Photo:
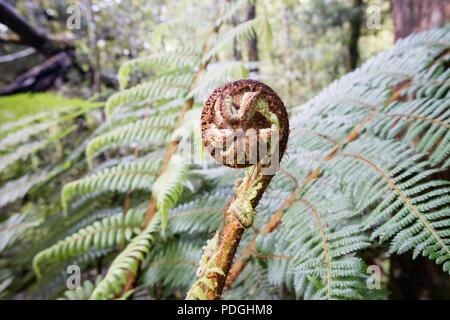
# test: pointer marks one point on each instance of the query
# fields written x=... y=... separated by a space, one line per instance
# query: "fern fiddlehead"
x=244 y=125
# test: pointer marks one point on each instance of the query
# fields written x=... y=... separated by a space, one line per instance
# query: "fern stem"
x=271 y=225
x=233 y=229
x=324 y=243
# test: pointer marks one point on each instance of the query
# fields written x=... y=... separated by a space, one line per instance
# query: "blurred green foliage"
x=22 y=105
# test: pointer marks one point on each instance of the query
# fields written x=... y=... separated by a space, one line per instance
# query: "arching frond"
x=12 y=228
x=426 y=122
x=181 y=58
x=218 y=74
x=203 y=214
x=154 y=130
x=15 y=189
x=107 y=232
x=127 y=261
x=143 y=94
x=407 y=205
x=258 y=26
x=125 y=176
x=173 y=265
x=168 y=187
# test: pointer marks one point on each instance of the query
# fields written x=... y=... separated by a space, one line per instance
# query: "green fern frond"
x=21 y=153
x=10 y=127
x=104 y=233
x=315 y=244
x=15 y=189
x=27 y=149
x=198 y=26
x=137 y=175
x=431 y=83
x=427 y=122
x=173 y=265
x=232 y=8
x=143 y=94
x=204 y=214
x=127 y=261
x=218 y=74
x=168 y=188
x=12 y=228
x=258 y=26
x=410 y=208
x=24 y=134
x=190 y=124
x=253 y=284
x=155 y=130
x=181 y=58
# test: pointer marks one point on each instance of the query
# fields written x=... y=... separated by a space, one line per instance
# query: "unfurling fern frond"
x=104 y=233
x=367 y=162
x=137 y=175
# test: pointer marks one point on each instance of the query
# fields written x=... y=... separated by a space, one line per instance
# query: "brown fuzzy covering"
x=236 y=89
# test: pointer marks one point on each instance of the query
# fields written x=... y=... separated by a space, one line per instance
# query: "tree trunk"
x=42 y=77
x=287 y=53
x=420 y=278
x=94 y=48
x=237 y=56
x=418 y=15
x=252 y=43
x=355 y=33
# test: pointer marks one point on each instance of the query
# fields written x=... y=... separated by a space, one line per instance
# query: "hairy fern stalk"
x=367 y=162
